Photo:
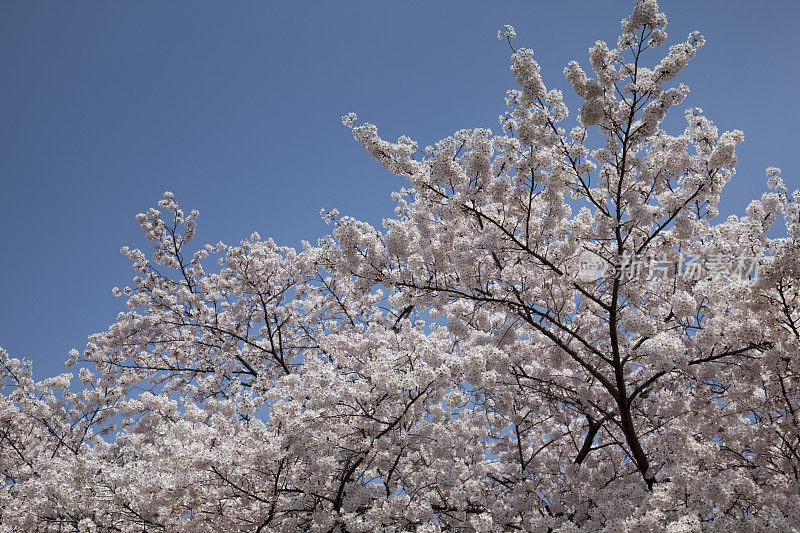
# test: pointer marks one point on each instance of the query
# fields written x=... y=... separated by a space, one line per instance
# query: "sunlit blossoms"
x=451 y=371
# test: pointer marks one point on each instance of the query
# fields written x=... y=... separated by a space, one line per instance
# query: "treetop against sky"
x=235 y=108
x=557 y=329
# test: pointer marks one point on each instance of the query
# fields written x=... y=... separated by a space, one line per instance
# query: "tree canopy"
x=552 y=333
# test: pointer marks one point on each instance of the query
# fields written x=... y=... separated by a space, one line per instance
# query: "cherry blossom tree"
x=458 y=369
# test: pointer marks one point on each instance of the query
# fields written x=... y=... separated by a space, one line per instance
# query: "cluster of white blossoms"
x=507 y=33
x=450 y=371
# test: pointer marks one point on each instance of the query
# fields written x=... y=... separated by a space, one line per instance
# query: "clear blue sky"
x=235 y=107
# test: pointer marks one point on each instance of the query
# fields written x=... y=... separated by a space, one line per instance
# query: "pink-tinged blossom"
x=451 y=370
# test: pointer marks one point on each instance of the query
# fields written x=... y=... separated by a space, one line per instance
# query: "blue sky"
x=236 y=106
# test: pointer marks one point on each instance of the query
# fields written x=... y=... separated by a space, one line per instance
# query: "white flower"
x=508 y=33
